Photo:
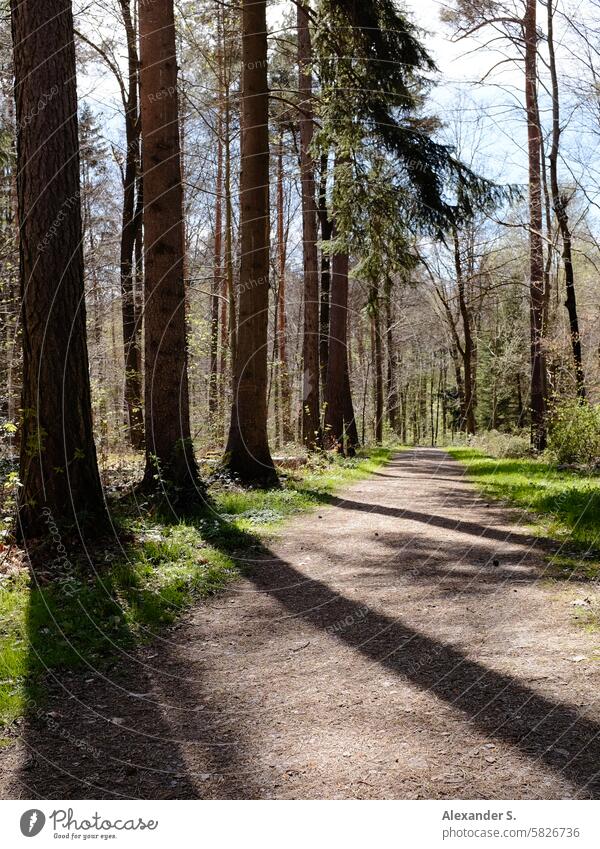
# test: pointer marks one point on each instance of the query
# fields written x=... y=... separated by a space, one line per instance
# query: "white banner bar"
x=302 y=824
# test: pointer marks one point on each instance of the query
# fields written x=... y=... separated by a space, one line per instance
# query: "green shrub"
x=574 y=434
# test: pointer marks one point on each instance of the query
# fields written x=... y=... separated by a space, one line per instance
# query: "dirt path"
x=399 y=643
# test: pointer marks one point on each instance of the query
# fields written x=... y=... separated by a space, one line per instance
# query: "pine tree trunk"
x=228 y=283
x=391 y=391
x=467 y=347
x=275 y=378
x=520 y=409
x=10 y=285
x=437 y=406
x=326 y=229
x=287 y=434
x=58 y=468
x=403 y=414
x=217 y=285
x=431 y=407
x=460 y=390
x=350 y=429
x=560 y=210
x=340 y=425
x=169 y=451
x=311 y=412
x=378 y=366
x=336 y=363
x=444 y=400
x=228 y=306
x=131 y=331
x=536 y=248
x=247 y=453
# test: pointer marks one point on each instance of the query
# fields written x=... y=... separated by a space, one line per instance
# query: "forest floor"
x=408 y=640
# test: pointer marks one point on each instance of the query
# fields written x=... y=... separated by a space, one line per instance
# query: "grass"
x=302 y=490
x=84 y=620
x=563 y=505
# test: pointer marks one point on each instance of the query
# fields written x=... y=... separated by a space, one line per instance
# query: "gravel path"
x=399 y=643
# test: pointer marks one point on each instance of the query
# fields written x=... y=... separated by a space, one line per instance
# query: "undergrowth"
x=144 y=582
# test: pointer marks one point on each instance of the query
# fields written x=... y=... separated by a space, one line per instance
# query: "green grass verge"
x=563 y=505
x=86 y=621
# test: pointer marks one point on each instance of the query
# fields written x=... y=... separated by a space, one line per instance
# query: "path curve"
x=399 y=643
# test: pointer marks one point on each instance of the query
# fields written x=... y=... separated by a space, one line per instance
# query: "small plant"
x=574 y=434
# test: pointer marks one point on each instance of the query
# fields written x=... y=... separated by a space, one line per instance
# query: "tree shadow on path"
x=496 y=704
x=116 y=726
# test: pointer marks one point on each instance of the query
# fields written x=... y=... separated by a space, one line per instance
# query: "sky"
x=491 y=112
x=484 y=120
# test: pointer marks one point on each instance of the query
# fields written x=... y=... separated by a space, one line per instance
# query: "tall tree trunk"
x=58 y=469
x=391 y=392
x=378 y=365
x=350 y=427
x=337 y=359
x=467 y=347
x=217 y=284
x=311 y=412
x=431 y=407
x=247 y=452
x=340 y=425
x=460 y=389
x=287 y=433
x=97 y=352
x=228 y=305
x=548 y=223
x=169 y=449
x=138 y=280
x=403 y=413
x=229 y=287
x=519 y=400
x=131 y=334
x=326 y=229
x=536 y=248
x=10 y=287
x=559 y=202
x=15 y=366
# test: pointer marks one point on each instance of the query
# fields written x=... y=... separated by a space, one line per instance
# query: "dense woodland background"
x=369 y=276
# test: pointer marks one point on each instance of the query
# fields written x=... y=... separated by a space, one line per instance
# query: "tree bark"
x=130 y=224
x=460 y=389
x=559 y=203
x=287 y=433
x=228 y=303
x=378 y=365
x=350 y=427
x=311 y=412
x=217 y=283
x=326 y=230
x=536 y=249
x=391 y=391
x=58 y=466
x=467 y=347
x=169 y=451
x=340 y=425
x=247 y=453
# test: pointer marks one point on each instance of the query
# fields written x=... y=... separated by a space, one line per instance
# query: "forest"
x=299 y=260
